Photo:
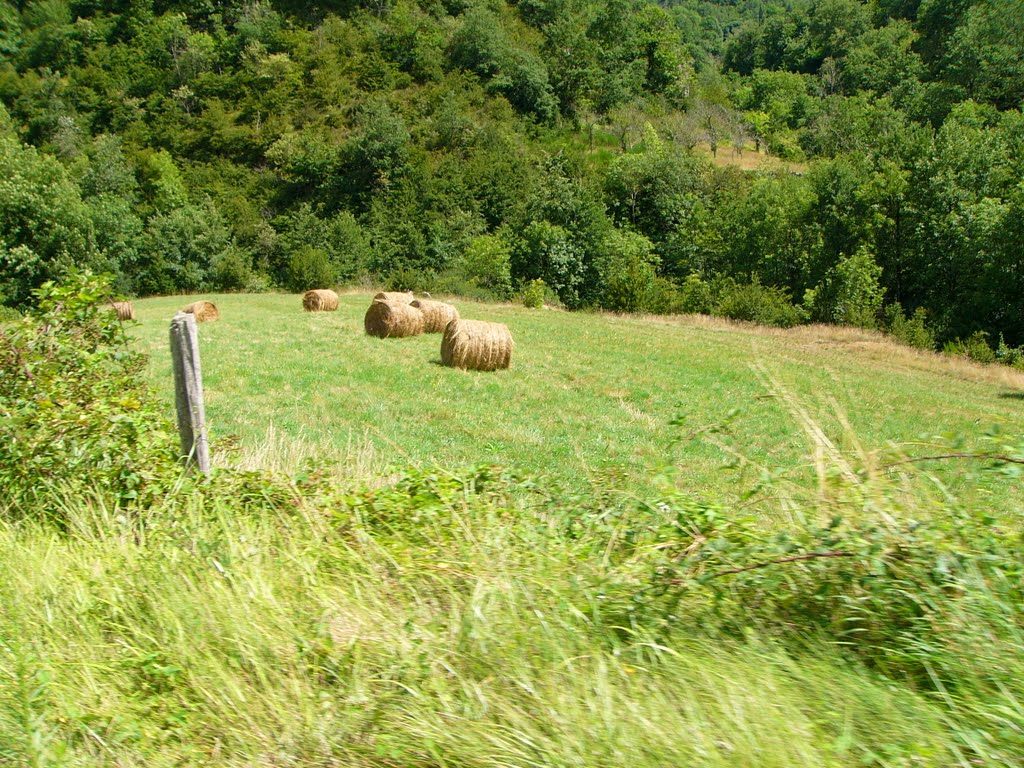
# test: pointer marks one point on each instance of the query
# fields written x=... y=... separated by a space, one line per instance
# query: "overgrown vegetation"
x=75 y=410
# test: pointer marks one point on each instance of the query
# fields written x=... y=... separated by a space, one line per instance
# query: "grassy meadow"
x=615 y=597
x=589 y=398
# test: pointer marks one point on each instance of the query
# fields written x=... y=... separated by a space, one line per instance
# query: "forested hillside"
x=475 y=147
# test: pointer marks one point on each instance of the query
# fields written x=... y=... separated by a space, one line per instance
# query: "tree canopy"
x=602 y=146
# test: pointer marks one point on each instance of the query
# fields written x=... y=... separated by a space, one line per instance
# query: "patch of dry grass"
x=749 y=159
x=867 y=345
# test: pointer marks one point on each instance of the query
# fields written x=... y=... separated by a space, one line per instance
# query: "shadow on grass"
x=1012 y=395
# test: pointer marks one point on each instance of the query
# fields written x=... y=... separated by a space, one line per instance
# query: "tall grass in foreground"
x=476 y=621
x=206 y=634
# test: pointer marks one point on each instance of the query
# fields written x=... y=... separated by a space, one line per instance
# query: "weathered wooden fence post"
x=188 y=391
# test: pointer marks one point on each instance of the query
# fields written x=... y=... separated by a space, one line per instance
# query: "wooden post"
x=188 y=391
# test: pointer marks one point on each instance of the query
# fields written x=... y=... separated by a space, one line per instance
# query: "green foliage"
x=895 y=590
x=108 y=171
x=850 y=293
x=984 y=53
x=76 y=414
x=912 y=331
x=695 y=295
x=340 y=237
x=310 y=268
x=549 y=253
x=162 y=185
x=533 y=294
x=45 y=228
x=391 y=135
x=120 y=239
x=487 y=263
x=883 y=60
x=755 y=303
x=654 y=188
x=482 y=45
x=231 y=270
x=779 y=636
x=975 y=347
x=377 y=155
x=773 y=231
x=1011 y=356
x=182 y=247
x=628 y=272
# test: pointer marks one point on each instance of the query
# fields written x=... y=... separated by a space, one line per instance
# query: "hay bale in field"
x=476 y=345
x=203 y=310
x=401 y=297
x=125 y=310
x=436 y=314
x=391 y=319
x=320 y=300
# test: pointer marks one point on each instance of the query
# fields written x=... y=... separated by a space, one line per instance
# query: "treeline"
x=480 y=147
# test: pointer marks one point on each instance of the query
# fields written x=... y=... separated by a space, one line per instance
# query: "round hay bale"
x=476 y=345
x=125 y=310
x=436 y=314
x=204 y=311
x=320 y=300
x=389 y=319
x=400 y=297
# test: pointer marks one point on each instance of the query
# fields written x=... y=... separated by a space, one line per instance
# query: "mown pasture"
x=705 y=405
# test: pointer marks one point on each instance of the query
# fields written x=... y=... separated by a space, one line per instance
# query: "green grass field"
x=588 y=396
x=633 y=608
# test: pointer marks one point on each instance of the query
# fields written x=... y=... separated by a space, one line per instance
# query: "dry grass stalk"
x=476 y=345
x=436 y=314
x=399 y=297
x=204 y=311
x=320 y=300
x=389 y=319
x=125 y=310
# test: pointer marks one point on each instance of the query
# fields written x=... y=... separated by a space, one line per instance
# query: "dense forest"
x=483 y=146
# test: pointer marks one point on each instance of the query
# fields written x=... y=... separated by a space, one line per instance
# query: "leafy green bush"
x=533 y=293
x=552 y=253
x=45 y=227
x=755 y=303
x=310 y=268
x=695 y=295
x=974 y=347
x=486 y=263
x=912 y=331
x=75 y=413
x=181 y=247
x=664 y=297
x=409 y=279
x=450 y=283
x=232 y=271
x=893 y=589
x=851 y=293
x=1011 y=356
x=627 y=269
